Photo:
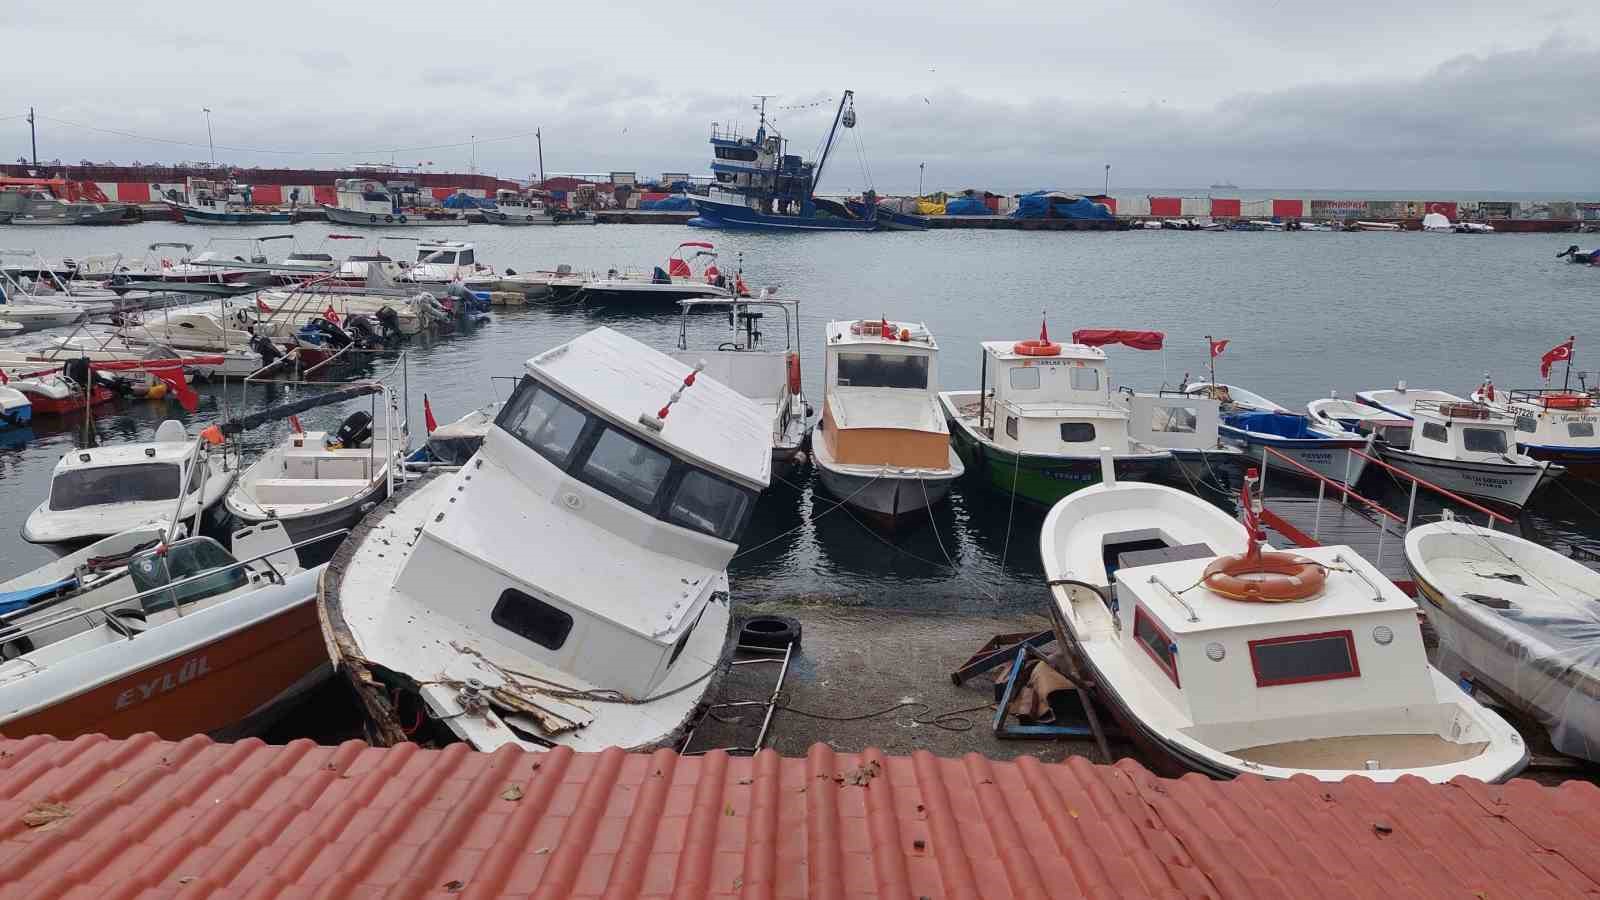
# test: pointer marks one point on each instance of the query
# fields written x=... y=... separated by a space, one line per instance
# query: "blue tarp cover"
x=966 y=206
x=467 y=201
x=1056 y=205
x=11 y=601
x=678 y=203
x=1283 y=425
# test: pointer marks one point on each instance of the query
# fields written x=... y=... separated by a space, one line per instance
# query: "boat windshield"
x=1484 y=440
x=883 y=370
x=439 y=257
x=622 y=465
x=153 y=569
x=142 y=483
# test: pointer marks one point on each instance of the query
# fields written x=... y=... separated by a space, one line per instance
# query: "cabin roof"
x=622 y=379
x=125 y=455
x=294 y=819
x=1346 y=595
x=840 y=334
x=1006 y=351
x=1047 y=409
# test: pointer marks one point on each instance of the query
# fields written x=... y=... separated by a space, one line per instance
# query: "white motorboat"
x=1517 y=618
x=21 y=305
x=317 y=482
x=453 y=443
x=1298 y=443
x=1437 y=223
x=97 y=492
x=558 y=283
x=1474 y=228
x=441 y=262
x=16 y=410
x=139 y=633
x=1362 y=418
x=1041 y=414
x=1553 y=424
x=884 y=447
x=1316 y=226
x=770 y=378
x=190 y=329
x=1155 y=592
x=1377 y=226
x=1399 y=401
x=686 y=277
x=375 y=204
x=513 y=208
x=1232 y=397
x=635 y=479
x=1469 y=449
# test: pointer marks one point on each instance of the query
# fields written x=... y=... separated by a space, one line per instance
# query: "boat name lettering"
x=191 y=669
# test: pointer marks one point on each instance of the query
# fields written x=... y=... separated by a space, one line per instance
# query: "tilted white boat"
x=1336 y=683
x=100 y=491
x=1521 y=619
x=1232 y=397
x=317 y=482
x=1362 y=418
x=768 y=377
x=441 y=262
x=883 y=445
x=568 y=585
x=140 y=633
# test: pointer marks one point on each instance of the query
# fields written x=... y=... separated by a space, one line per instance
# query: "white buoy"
x=1108 y=467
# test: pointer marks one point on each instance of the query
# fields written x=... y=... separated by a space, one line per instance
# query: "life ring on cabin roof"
x=868 y=327
x=1566 y=401
x=1269 y=577
x=1036 y=348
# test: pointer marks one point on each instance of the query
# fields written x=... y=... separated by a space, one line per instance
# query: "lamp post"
x=920 y=167
x=211 y=143
x=1107 y=191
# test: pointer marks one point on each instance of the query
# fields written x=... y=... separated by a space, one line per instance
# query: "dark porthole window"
x=531 y=618
x=1077 y=432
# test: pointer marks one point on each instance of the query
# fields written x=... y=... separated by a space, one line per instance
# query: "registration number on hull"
x=180 y=674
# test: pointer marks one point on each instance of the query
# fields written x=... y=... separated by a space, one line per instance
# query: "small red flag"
x=427 y=414
x=1217 y=347
x=1044 y=332
x=1558 y=353
x=294 y=423
x=330 y=315
x=261 y=306
x=173 y=379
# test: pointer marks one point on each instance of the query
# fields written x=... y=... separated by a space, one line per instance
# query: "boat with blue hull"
x=759 y=186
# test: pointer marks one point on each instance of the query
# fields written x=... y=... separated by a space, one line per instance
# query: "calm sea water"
x=1305 y=313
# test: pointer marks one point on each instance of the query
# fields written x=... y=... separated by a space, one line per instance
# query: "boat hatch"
x=616 y=462
x=104 y=485
x=184 y=559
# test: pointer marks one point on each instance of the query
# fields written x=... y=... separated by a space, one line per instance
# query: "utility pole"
x=33 y=137
x=211 y=143
x=920 y=167
x=1107 y=191
x=538 y=136
x=474 y=167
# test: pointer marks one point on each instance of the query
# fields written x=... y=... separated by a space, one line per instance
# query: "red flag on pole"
x=261 y=306
x=330 y=314
x=1217 y=347
x=294 y=423
x=1044 y=332
x=174 y=380
x=427 y=414
x=1558 y=353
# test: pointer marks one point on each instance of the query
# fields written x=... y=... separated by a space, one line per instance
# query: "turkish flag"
x=1217 y=347
x=179 y=385
x=427 y=414
x=1558 y=353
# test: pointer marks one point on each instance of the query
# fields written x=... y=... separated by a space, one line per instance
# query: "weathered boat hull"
x=389 y=220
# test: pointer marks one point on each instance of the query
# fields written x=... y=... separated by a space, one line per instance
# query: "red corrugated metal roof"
x=148 y=818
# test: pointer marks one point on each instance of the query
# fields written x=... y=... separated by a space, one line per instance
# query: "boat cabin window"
x=1527 y=423
x=1304 y=657
x=465 y=258
x=626 y=468
x=440 y=257
x=532 y=618
x=1077 y=432
x=1484 y=440
x=1156 y=642
x=1174 y=419
x=1025 y=379
x=1086 y=379
x=1580 y=429
x=184 y=559
x=883 y=370
x=1433 y=431
x=740 y=153
x=630 y=469
x=543 y=421
x=141 y=483
x=707 y=503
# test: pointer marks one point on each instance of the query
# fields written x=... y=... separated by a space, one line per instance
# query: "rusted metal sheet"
x=143 y=817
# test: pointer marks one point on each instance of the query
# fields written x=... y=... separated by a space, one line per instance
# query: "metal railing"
x=1347 y=493
x=65 y=617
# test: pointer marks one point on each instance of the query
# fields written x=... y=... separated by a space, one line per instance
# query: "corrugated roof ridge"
x=824 y=848
x=1022 y=871
x=570 y=854
x=426 y=871
x=890 y=868
x=955 y=868
x=759 y=873
x=1060 y=818
x=1538 y=829
x=639 y=837
x=545 y=775
x=692 y=878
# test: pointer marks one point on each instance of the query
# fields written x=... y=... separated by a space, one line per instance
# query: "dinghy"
x=1518 y=618
x=1222 y=656
x=1329 y=451
x=1362 y=418
x=568 y=585
x=1232 y=397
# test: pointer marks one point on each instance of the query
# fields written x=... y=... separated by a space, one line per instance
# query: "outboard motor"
x=337 y=337
x=265 y=349
x=660 y=276
x=354 y=430
x=77 y=371
x=364 y=330
x=389 y=321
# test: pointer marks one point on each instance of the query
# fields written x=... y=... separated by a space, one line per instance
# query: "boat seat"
x=320 y=466
x=295 y=491
x=1132 y=559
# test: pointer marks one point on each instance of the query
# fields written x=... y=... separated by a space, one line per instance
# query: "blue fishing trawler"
x=758 y=186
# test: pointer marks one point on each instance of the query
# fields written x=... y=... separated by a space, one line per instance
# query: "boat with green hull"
x=1044 y=479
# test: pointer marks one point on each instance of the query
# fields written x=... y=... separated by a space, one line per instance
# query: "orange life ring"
x=1037 y=348
x=870 y=327
x=794 y=372
x=1566 y=401
x=1267 y=577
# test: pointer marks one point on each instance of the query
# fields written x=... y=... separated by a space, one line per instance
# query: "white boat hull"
x=888 y=495
x=1502 y=483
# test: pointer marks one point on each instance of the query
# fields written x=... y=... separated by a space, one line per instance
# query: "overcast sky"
x=1005 y=94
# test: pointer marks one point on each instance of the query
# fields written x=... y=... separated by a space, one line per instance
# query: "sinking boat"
x=770 y=378
x=635 y=477
x=317 y=482
x=97 y=492
x=1517 y=618
x=142 y=633
x=1158 y=596
x=686 y=277
x=441 y=262
x=883 y=445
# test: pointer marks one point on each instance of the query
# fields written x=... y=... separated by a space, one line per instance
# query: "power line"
x=335 y=153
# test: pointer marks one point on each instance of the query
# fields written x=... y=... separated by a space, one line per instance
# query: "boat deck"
x=1313 y=522
x=1353 y=751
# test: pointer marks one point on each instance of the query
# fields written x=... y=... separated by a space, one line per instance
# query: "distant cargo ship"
x=1224 y=187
